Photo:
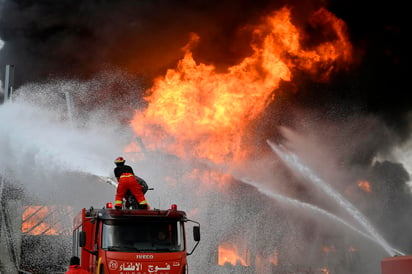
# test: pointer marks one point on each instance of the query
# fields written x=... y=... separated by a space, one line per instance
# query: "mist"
x=58 y=160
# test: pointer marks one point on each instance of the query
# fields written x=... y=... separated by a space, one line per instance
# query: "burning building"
x=193 y=106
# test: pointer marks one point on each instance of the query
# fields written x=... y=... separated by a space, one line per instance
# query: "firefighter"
x=127 y=181
x=75 y=267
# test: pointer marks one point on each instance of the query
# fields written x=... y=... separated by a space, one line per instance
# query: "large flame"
x=194 y=111
x=229 y=253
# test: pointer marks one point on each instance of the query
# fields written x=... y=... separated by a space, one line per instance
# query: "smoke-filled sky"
x=48 y=39
x=355 y=124
x=77 y=39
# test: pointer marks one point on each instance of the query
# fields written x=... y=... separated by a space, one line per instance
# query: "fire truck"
x=133 y=241
x=397 y=265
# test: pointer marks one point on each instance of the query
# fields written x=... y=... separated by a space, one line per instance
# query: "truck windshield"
x=143 y=236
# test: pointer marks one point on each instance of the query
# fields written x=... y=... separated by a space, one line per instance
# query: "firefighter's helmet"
x=119 y=160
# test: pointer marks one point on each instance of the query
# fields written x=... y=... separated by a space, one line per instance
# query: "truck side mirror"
x=196 y=236
x=196 y=233
x=82 y=243
x=82 y=239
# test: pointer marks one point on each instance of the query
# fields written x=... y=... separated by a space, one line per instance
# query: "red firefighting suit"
x=76 y=269
x=128 y=181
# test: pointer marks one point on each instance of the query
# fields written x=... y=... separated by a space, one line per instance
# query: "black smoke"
x=78 y=39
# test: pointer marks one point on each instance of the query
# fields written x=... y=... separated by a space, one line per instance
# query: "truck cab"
x=137 y=241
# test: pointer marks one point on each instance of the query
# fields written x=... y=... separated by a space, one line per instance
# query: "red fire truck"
x=133 y=241
x=397 y=265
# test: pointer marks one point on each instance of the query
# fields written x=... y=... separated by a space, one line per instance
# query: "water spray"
x=38 y=139
x=108 y=180
x=298 y=203
x=294 y=162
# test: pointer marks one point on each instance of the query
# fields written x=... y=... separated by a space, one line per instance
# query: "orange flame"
x=274 y=259
x=264 y=263
x=228 y=253
x=194 y=111
x=328 y=249
x=46 y=220
x=364 y=185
